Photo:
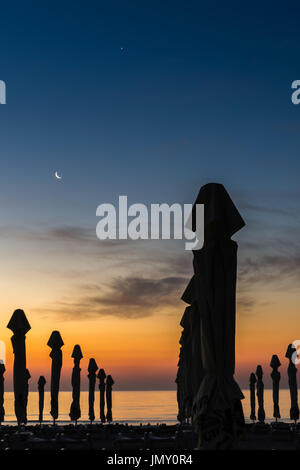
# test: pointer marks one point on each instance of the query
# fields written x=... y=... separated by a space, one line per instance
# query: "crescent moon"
x=57 y=176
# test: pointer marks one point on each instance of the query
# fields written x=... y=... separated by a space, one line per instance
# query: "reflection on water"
x=133 y=407
x=145 y=406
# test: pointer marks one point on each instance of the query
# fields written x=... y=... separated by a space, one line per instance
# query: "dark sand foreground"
x=126 y=437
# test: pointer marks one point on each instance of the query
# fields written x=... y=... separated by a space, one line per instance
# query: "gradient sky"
x=201 y=92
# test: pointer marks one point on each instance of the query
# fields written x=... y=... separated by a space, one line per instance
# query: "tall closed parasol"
x=252 y=382
x=275 y=374
x=217 y=409
x=75 y=411
x=102 y=376
x=260 y=395
x=186 y=345
x=292 y=373
x=92 y=380
x=109 y=384
x=41 y=386
x=193 y=370
x=55 y=343
x=20 y=326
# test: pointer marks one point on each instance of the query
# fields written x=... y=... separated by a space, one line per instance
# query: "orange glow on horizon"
x=144 y=351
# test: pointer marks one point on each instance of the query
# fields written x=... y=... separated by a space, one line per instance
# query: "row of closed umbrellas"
x=20 y=326
x=257 y=380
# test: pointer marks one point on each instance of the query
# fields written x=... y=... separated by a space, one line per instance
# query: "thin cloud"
x=265 y=210
x=270 y=269
x=245 y=303
x=125 y=297
x=67 y=233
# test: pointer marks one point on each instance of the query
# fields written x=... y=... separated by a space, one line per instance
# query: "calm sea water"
x=133 y=407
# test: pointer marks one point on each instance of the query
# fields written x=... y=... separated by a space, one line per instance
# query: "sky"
x=150 y=100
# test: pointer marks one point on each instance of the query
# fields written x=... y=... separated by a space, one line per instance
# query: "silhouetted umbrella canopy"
x=2 y=412
x=221 y=217
x=19 y=322
x=55 y=343
x=260 y=395
x=184 y=381
x=75 y=411
x=27 y=377
x=178 y=395
x=92 y=380
x=180 y=388
x=109 y=384
x=20 y=326
x=292 y=371
x=191 y=321
x=217 y=405
x=41 y=386
x=101 y=376
x=252 y=382
x=275 y=374
x=186 y=344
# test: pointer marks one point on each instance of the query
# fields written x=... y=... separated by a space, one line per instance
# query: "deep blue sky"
x=201 y=92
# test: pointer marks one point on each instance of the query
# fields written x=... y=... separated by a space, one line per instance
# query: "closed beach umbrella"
x=75 y=411
x=191 y=346
x=217 y=409
x=260 y=395
x=27 y=376
x=192 y=318
x=275 y=374
x=2 y=412
x=101 y=376
x=292 y=373
x=180 y=385
x=252 y=382
x=183 y=382
x=55 y=343
x=92 y=380
x=195 y=349
x=20 y=326
x=186 y=344
x=109 y=384
x=41 y=386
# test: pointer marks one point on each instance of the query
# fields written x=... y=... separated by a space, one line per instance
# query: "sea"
x=133 y=407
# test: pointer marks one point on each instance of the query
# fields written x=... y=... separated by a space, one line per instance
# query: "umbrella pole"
x=102 y=376
x=92 y=369
x=75 y=412
x=292 y=371
x=55 y=342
